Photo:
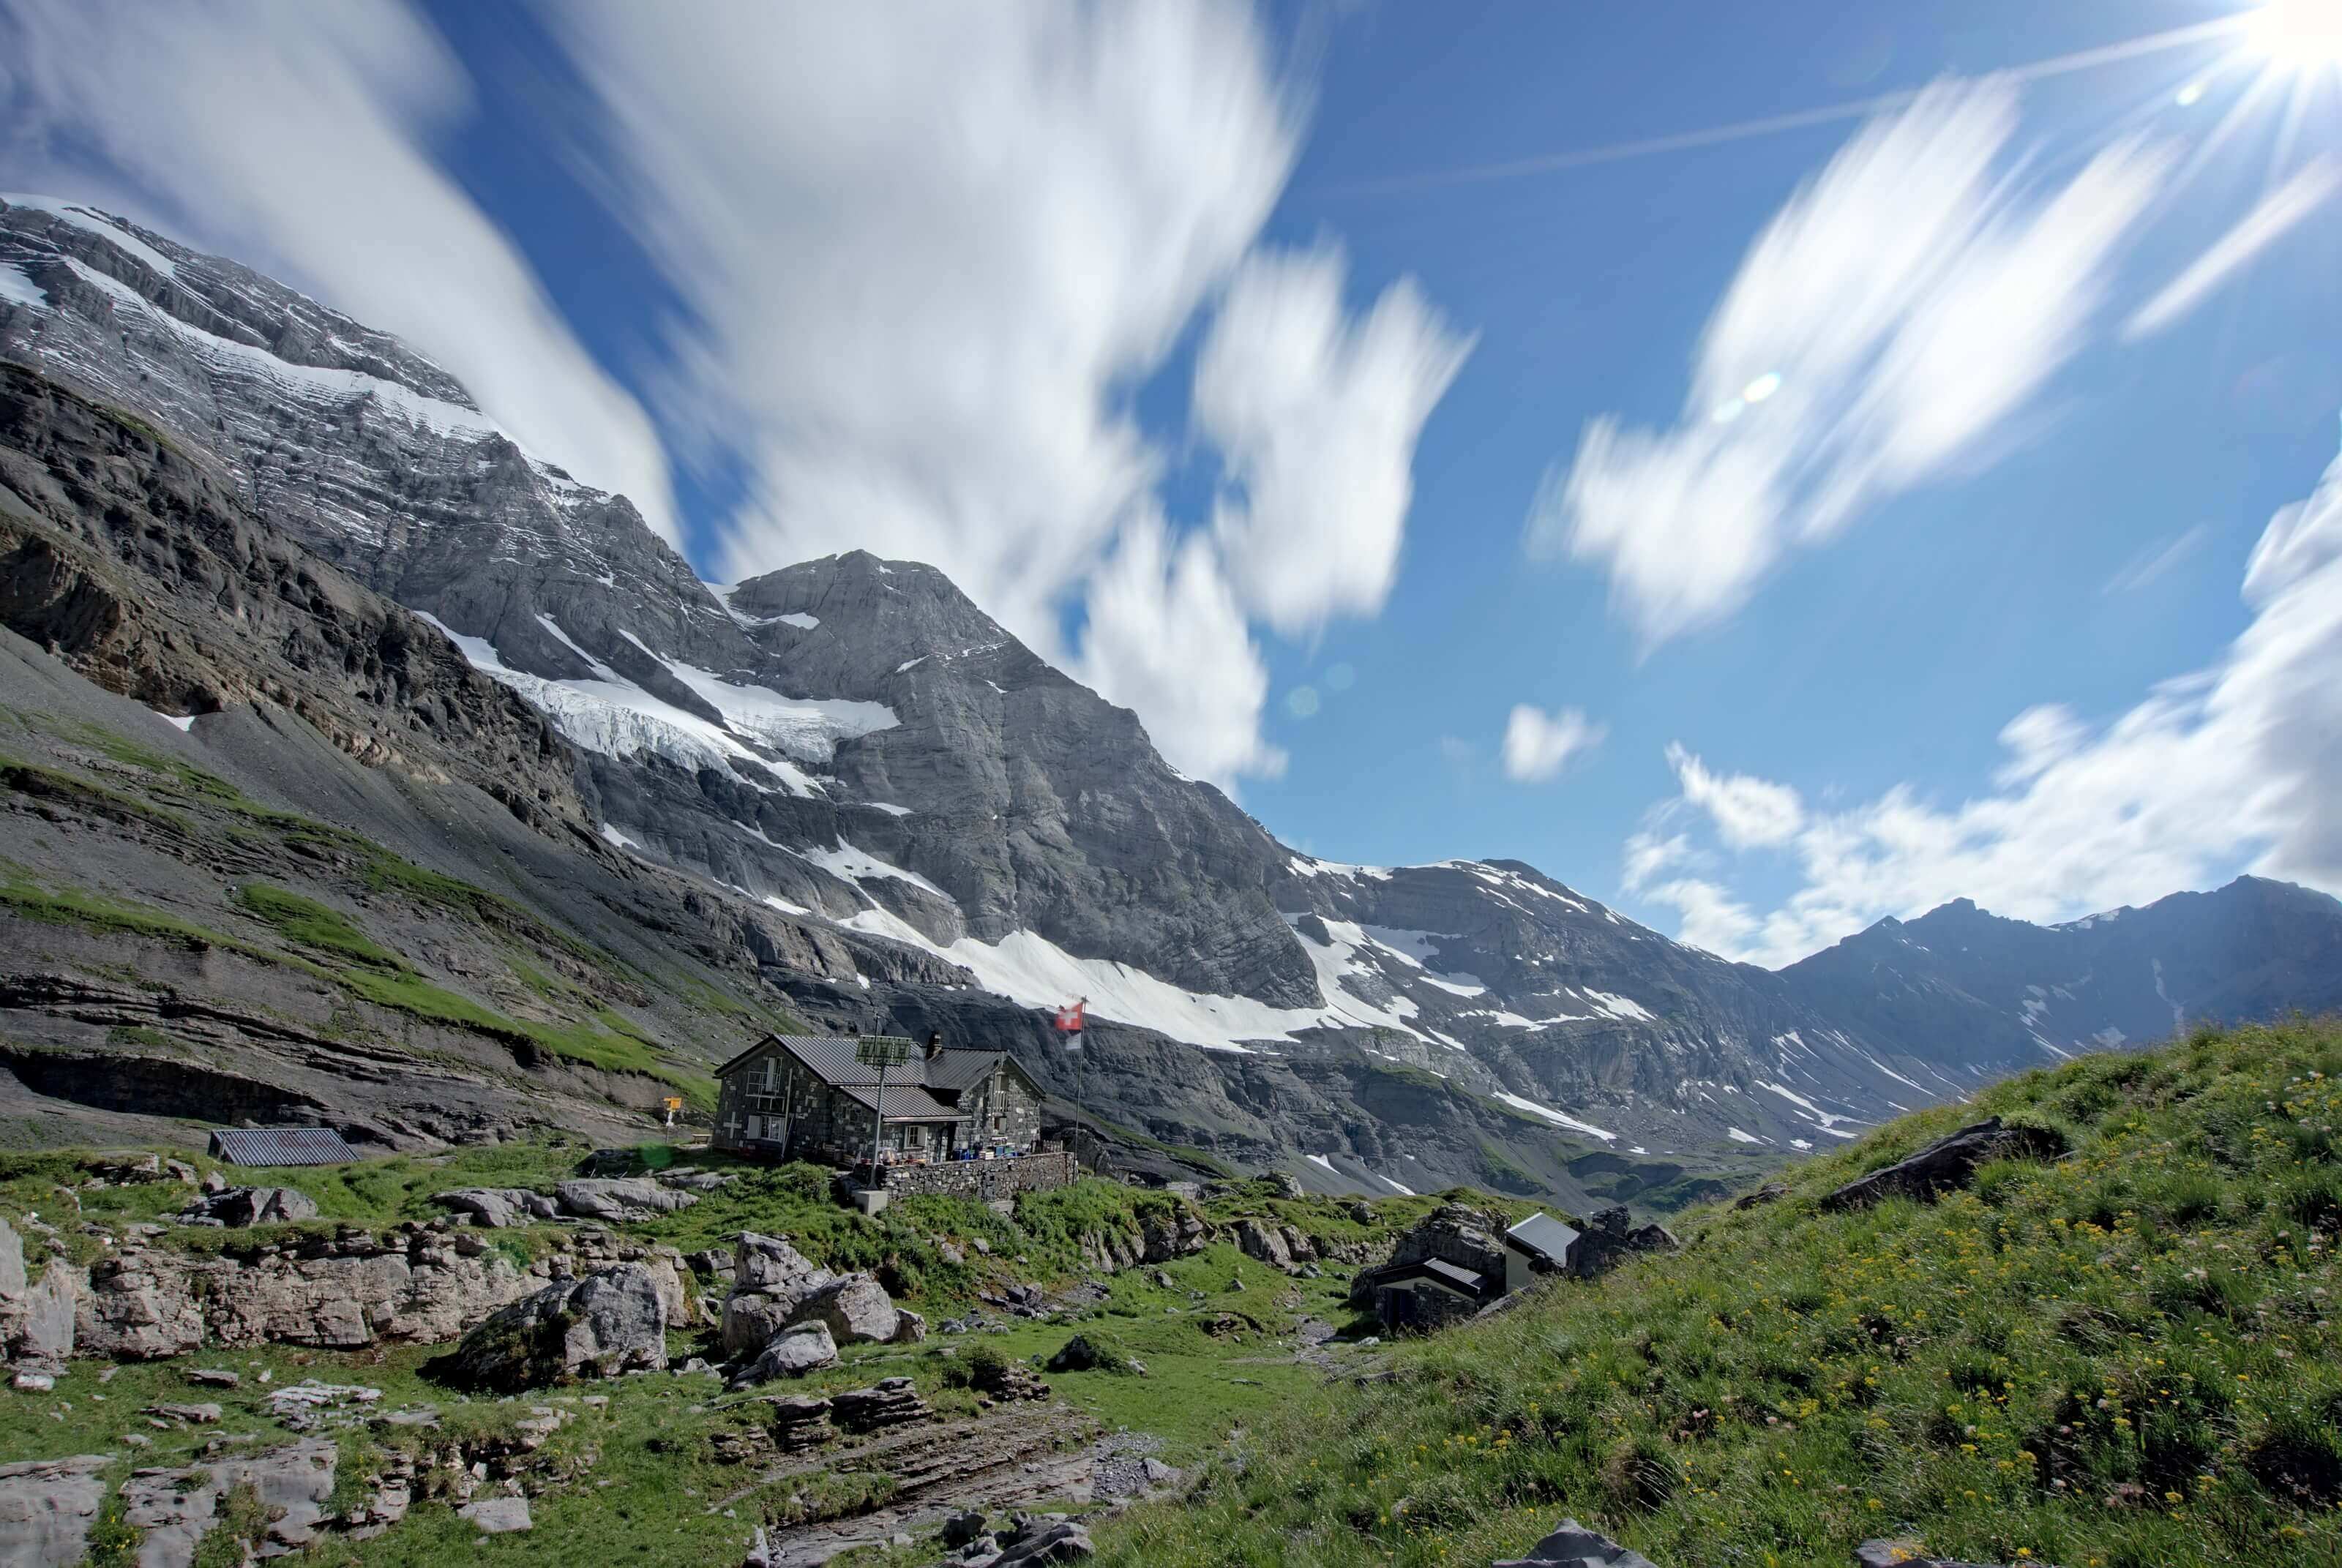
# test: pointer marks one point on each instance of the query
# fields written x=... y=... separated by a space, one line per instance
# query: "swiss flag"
x=1070 y=1019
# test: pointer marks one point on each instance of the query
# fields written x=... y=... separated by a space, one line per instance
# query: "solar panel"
x=281 y=1146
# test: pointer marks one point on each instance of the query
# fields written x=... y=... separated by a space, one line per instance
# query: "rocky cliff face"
x=838 y=790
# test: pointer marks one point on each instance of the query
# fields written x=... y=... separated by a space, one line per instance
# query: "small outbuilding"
x=281 y=1146
x=1457 y=1262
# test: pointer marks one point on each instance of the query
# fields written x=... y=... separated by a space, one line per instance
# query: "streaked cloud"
x=2232 y=766
x=2271 y=218
x=1893 y=314
x=1538 y=744
x=2156 y=560
x=1746 y=810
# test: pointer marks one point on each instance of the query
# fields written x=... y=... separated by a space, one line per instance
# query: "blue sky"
x=1141 y=328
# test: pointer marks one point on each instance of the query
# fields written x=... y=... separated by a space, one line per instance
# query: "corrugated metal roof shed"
x=1461 y=1278
x=281 y=1146
x=1546 y=1234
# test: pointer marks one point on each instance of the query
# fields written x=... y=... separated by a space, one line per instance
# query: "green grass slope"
x=2124 y=1358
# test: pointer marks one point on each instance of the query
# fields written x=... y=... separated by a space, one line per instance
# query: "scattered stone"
x=34 y=1381
x=800 y=1422
x=1947 y=1164
x=604 y=1325
x=46 y=1507
x=1163 y=1281
x=237 y=1207
x=802 y=1348
x=1572 y=1545
x=1905 y=1554
x=959 y=1529
x=500 y=1208
x=1771 y=1193
x=910 y=1328
x=297 y=1400
x=1287 y=1185
x=1082 y=1353
x=496 y=1515
x=191 y=1414
x=213 y=1377
x=1063 y=1542
x=616 y=1200
x=892 y=1401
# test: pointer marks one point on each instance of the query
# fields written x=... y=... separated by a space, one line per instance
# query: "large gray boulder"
x=1947 y=1164
x=599 y=1326
x=615 y=1199
x=1572 y=1545
x=857 y=1309
x=46 y=1507
x=11 y=1260
x=793 y=1352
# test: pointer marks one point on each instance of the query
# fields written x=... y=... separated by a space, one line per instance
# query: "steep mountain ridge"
x=1981 y=995
x=863 y=795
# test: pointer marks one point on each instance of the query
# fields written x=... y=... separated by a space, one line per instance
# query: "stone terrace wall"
x=983 y=1179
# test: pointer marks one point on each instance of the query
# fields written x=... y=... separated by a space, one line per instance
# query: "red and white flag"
x=1069 y=1023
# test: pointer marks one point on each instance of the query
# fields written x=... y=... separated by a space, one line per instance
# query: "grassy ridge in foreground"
x=2121 y=1358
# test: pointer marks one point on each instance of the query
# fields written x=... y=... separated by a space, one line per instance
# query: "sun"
x=2301 y=34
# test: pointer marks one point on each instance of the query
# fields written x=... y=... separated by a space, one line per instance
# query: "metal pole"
x=878 y=1125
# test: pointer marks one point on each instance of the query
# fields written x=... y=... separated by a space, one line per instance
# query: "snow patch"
x=799 y=619
x=617 y=840
x=1620 y=1006
x=857 y=866
x=1396 y=1187
x=15 y=289
x=1557 y=1117
x=1322 y=1162
x=784 y=905
x=185 y=722
x=889 y=807
x=1737 y=1136
x=98 y=224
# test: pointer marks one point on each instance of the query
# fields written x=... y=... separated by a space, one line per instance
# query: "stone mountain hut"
x=807 y=1097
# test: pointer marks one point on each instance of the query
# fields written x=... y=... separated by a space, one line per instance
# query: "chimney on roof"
x=854 y=1031
x=935 y=1044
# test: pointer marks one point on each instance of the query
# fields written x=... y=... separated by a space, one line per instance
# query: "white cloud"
x=2271 y=217
x=1898 y=310
x=2230 y=766
x=1319 y=418
x=931 y=250
x=1168 y=639
x=2156 y=560
x=1538 y=744
x=1746 y=810
x=294 y=138
x=1647 y=853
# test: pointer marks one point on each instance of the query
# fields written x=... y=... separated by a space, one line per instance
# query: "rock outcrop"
x=856 y=1308
x=500 y=1208
x=177 y=1508
x=618 y=1199
x=770 y=1280
x=422 y=1284
x=46 y=1507
x=599 y=1326
x=237 y=1207
x=1947 y=1164
x=1611 y=1237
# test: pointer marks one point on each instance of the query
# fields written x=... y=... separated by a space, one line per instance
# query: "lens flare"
x=2302 y=35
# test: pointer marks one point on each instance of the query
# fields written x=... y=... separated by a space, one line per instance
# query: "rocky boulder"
x=1265 y=1242
x=793 y=1352
x=500 y=1208
x=237 y=1207
x=37 y=1321
x=1178 y=1234
x=1947 y=1164
x=616 y=1200
x=770 y=1281
x=1611 y=1237
x=607 y=1323
x=857 y=1309
x=46 y=1507
x=1572 y=1545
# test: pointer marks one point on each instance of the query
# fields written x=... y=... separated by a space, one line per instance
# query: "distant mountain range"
x=842 y=793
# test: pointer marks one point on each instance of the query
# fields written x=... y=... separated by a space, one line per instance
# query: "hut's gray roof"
x=281 y=1146
x=1543 y=1233
x=905 y=1102
x=831 y=1057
